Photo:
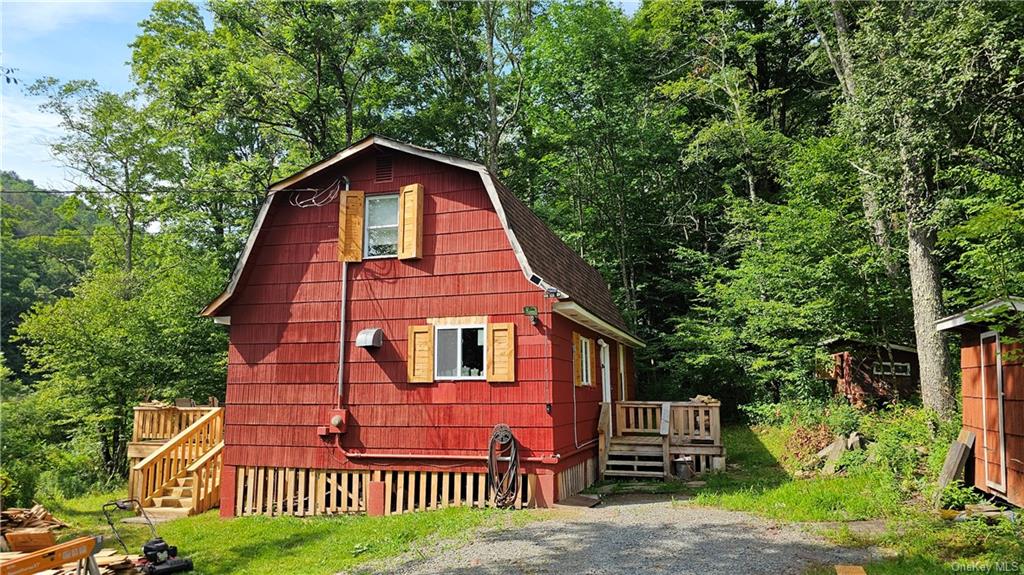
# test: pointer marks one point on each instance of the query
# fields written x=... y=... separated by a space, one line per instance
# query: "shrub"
x=956 y=495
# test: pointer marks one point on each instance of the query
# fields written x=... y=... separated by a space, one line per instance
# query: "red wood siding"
x=587 y=399
x=1013 y=412
x=283 y=359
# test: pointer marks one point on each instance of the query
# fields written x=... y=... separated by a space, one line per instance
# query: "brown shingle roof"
x=554 y=261
x=545 y=259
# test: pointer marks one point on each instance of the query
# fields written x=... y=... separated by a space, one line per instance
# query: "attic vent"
x=384 y=171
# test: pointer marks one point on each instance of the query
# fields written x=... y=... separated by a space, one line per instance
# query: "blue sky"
x=67 y=40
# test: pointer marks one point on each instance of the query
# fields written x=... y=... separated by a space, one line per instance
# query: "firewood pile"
x=36 y=517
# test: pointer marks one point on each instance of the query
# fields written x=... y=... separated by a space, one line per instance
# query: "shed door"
x=994 y=436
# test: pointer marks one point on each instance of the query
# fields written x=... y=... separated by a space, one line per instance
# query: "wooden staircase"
x=649 y=436
x=177 y=456
x=636 y=456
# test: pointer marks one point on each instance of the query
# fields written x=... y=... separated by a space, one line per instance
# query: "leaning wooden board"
x=956 y=461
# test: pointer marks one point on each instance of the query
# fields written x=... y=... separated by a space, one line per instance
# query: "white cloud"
x=25 y=20
x=25 y=133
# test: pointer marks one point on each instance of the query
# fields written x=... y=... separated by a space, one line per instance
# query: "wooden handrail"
x=163 y=422
x=205 y=473
x=686 y=421
x=173 y=459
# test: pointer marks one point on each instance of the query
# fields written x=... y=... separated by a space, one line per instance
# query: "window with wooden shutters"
x=350 y=227
x=410 y=222
x=584 y=362
x=460 y=352
x=382 y=226
x=501 y=352
x=420 y=361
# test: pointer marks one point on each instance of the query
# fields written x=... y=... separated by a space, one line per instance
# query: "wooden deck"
x=176 y=458
x=647 y=437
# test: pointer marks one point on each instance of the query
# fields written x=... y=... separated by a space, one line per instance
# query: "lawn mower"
x=159 y=557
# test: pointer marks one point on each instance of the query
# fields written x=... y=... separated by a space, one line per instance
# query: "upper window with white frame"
x=459 y=352
x=381 y=229
x=889 y=368
x=586 y=361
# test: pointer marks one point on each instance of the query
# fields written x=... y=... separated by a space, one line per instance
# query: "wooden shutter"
x=420 y=362
x=595 y=364
x=577 y=360
x=501 y=352
x=410 y=222
x=350 y=227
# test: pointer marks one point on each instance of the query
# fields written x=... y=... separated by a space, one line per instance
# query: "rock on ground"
x=634 y=534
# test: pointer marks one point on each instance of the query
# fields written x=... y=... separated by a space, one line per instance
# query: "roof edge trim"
x=579 y=314
x=1014 y=303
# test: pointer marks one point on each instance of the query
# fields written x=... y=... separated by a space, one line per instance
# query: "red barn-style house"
x=457 y=309
x=992 y=371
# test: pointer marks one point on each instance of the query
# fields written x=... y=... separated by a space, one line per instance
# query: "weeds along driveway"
x=633 y=534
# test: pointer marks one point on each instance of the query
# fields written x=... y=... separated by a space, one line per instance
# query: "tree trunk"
x=925 y=290
x=842 y=65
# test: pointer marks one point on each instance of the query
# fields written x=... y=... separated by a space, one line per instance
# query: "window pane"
x=447 y=349
x=382 y=242
x=382 y=211
x=472 y=352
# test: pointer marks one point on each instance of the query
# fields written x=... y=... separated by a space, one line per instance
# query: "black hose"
x=503 y=449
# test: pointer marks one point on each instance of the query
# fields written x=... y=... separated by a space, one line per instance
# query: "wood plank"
x=423 y=490
x=239 y=482
x=260 y=471
x=279 y=508
x=445 y=488
x=400 y=493
x=850 y=570
x=952 y=468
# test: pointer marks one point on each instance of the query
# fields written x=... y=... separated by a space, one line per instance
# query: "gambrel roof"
x=544 y=259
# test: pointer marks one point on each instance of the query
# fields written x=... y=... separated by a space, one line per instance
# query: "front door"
x=606 y=377
x=993 y=433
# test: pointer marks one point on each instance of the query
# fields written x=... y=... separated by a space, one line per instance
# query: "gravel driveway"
x=634 y=534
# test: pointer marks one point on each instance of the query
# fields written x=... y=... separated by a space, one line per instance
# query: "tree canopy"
x=751 y=178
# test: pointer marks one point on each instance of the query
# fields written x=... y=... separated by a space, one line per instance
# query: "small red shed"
x=391 y=306
x=869 y=373
x=992 y=367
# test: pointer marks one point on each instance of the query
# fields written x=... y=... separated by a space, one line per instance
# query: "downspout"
x=341 y=326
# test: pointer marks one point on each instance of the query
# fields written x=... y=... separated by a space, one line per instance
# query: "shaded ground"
x=634 y=534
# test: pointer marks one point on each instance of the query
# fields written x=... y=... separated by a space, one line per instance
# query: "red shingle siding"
x=282 y=373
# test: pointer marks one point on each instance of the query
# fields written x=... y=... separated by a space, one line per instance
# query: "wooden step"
x=172 y=502
x=620 y=463
x=636 y=452
x=628 y=473
x=178 y=491
x=650 y=440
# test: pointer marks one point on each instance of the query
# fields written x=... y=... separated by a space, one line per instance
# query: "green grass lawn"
x=260 y=545
x=758 y=482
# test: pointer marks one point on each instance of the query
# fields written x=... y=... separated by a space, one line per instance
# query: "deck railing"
x=205 y=474
x=164 y=422
x=174 y=458
x=686 y=422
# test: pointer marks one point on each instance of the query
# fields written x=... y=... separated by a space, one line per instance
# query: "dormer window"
x=381 y=239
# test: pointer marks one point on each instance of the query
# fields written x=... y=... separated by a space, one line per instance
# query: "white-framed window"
x=380 y=238
x=889 y=368
x=586 y=361
x=460 y=352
